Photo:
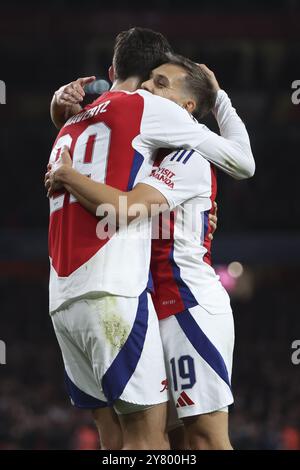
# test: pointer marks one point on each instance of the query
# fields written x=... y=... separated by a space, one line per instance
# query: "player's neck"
x=130 y=84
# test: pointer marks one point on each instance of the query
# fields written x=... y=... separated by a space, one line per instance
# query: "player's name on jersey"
x=101 y=108
x=2 y=352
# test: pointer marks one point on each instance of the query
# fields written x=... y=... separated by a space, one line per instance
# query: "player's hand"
x=211 y=76
x=72 y=93
x=51 y=185
x=213 y=221
x=54 y=172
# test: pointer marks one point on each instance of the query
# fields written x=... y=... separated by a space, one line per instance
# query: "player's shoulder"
x=157 y=100
x=160 y=104
x=188 y=157
x=189 y=164
x=120 y=98
x=122 y=102
x=124 y=95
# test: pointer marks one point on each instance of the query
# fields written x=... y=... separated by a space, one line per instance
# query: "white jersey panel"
x=185 y=181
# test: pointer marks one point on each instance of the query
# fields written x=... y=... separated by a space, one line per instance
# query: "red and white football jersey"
x=113 y=140
x=181 y=253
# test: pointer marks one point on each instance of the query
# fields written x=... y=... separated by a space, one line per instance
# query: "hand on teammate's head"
x=211 y=76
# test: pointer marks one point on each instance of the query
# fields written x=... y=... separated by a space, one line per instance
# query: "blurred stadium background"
x=254 y=48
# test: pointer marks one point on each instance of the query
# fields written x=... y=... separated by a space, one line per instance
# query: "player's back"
x=83 y=259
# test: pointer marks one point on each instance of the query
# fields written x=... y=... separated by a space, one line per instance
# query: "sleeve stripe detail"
x=181 y=155
x=175 y=155
x=188 y=157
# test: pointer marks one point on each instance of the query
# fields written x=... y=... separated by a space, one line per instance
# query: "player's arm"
x=232 y=150
x=154 y=199
x=168 y=186
x=66 y=101
x=88 y=205
x=127 y=205
x=91 y=194
x=140 y=193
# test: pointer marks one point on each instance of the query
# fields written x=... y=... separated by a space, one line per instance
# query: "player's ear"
x=111 y=73
x=190 y=106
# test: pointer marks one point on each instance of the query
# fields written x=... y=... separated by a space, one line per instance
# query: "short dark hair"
x=197 y=82
x=138 y=51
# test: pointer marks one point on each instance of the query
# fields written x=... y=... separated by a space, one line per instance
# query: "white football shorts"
x=112 y=351
x=198 y=348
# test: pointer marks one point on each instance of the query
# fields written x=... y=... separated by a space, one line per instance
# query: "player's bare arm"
x=91 y=194
x=141 y=194
x=66 y=100
x=58 y=186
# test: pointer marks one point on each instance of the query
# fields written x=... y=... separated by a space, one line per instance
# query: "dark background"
x=254 y=49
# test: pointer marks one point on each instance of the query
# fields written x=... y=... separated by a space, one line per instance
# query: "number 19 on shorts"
x=183 y=372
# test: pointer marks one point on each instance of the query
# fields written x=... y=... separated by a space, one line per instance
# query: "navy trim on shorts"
x=119 y=373
x=81 y=399
x=202 y=344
